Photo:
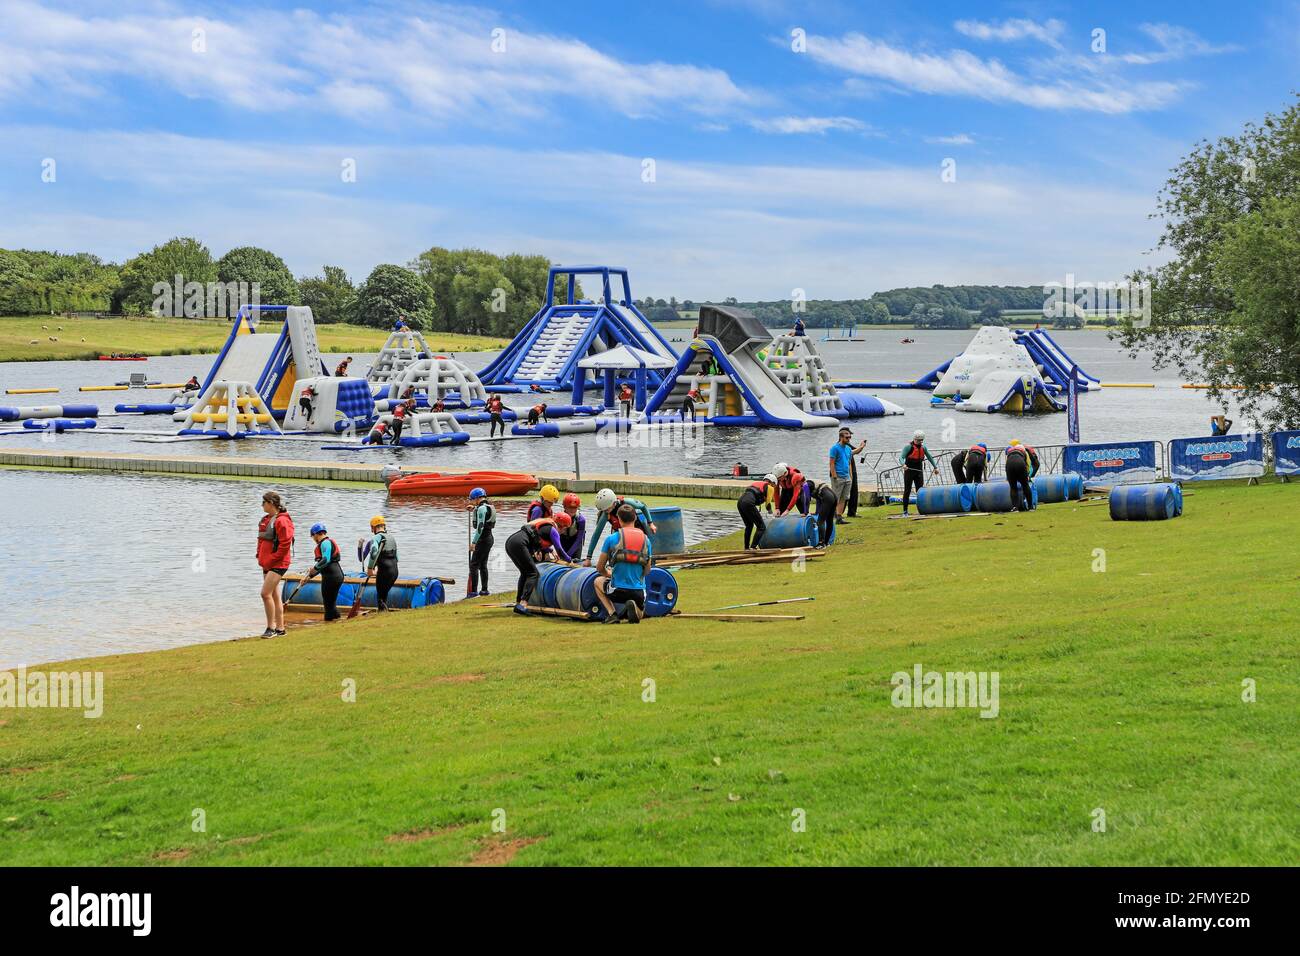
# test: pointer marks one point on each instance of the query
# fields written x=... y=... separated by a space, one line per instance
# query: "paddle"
x=731 y=607
x=469 y=584
x=294 y=593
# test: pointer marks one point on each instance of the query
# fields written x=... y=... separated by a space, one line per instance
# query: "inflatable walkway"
x=1052 y=362
x=547 y=350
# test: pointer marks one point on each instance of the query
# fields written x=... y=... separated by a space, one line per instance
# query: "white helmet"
x=605 y=499
x=781 y=469
x=920 y=435
x=770 y=478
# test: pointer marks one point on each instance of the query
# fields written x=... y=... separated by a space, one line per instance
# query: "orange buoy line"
x=1237 y=387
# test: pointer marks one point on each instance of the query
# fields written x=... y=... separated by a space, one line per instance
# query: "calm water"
x=1164 y=412
x=118 y=563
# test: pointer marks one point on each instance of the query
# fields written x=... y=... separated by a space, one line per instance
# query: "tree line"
x=443 y=290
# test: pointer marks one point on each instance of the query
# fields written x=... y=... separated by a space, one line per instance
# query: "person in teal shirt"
x=608 y=508
x=624 y=560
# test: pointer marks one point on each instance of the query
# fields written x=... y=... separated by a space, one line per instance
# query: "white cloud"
x=1049 y=31
x=960 y=73
x=957 y=139
x=842 y=230
x=808 y=124
x=438 y=62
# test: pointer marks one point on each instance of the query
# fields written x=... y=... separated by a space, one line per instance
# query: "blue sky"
x=774 y=168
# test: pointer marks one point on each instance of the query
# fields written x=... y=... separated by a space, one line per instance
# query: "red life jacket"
x=916 y=452
x=275 y=552
x=759 y=486
x=539 y=410
x=632 y=547
x=976 y=450
x=534 y=529
x=337 y=559
x=793 y=479
x=539 y=503
x=624 y=393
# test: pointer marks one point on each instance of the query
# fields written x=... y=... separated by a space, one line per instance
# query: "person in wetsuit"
x=483 y=518
x=329 y=565
x=1021 y=465
x=825 y=501
x=382 y=561
x=533 y=541
x=913 y=458
x=750 y=504
x=494 y=408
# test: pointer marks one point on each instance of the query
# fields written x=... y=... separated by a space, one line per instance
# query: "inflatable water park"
x=617 y=371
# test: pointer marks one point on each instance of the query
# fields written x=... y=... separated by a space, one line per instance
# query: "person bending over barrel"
x=826 y=500
x=532 y=542
x=537 y=414
x=977 y=458
x=1021 y=465
x=623 y=562
x=381 y=562
x=329 y=565
x=575 y=535
x=750 y=504
x=274 y=550
x=793 y=490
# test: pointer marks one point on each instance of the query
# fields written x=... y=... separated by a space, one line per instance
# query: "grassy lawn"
x=1119 y=691
x=88 y=338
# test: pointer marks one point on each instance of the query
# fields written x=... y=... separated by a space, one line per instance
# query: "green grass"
x=89 y=338
x=1119 y=690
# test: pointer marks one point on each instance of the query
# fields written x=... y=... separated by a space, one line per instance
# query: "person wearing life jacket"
x=575 y=535
x=625 y=396
x=399 y=422
x=799 y=327
x=755 y=496
x=1020 y=462
x=341 y=370
x=531 y=542
x=306 y=401
x=274 y=552
x=329 y=565
x=483 y=519
x=377 y=434
x=381 y=562
x=543 y=505
x=625 y=557
x=975 y=461
x=913 y=458
x=793 y=491
x=537 y=413
x=825 y=501
x=608 y=506
x=494 y=408
x=439 y=406
x=192 y=385
x=688 y=403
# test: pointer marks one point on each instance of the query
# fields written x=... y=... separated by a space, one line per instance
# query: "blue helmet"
x=476 y=494
x=318 y=528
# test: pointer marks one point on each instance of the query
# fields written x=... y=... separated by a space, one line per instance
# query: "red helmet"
x=572 y=501
x=562 y=520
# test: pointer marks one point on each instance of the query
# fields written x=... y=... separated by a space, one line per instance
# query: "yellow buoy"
x=29 y=391
x=103 y=388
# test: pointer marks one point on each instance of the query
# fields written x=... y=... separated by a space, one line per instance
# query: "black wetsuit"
x=385 y=571
x=331 y=579
x=1022 y=492
x=749 y=506
x=497 y=420
x=478 y=569
x=519 y=549
x=398 y=422
x=959 y=467
x=975 y=462
x=825 y=502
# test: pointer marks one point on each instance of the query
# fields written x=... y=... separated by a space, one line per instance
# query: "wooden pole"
x=741 y=617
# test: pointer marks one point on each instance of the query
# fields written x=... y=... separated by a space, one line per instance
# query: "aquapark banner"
x=1115 y=463
x=1208 y=459
x=1286 y=453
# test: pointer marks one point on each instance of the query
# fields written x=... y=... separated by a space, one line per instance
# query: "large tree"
x=391 y=292
x=1224 y=308
x=332 y=297
x=263 y=269
x=187 y=258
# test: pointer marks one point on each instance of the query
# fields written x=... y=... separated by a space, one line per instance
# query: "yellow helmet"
x=550 y=494
x=1015 y=441
x=376 y=521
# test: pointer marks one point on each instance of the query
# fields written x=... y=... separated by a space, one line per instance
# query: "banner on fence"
x=1116 y=463
x=1286 y=453
x=1072 y=406
x=1209 y=459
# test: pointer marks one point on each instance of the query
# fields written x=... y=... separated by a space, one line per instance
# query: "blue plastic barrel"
x=424 y=593
x=548 y=578
x=791 y=531
x=576 y=591
x=660 y=592
x=945 y=499
x=1157 y=502
x=996 y=496
x=1052 y=489
x=670 y=538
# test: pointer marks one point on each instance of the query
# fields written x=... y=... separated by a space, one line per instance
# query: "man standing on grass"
x=841 y=470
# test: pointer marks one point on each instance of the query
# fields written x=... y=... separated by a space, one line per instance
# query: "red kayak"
x=434 y=483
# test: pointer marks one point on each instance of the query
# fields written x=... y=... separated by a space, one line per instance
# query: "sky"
x=745 y=148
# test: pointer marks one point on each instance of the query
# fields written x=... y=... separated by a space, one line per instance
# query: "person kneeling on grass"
x=623 y=562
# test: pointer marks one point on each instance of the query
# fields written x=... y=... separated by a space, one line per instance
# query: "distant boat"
x=907 y=341
x=123 y=358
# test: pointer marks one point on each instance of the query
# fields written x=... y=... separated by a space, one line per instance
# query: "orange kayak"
x=435 y=483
